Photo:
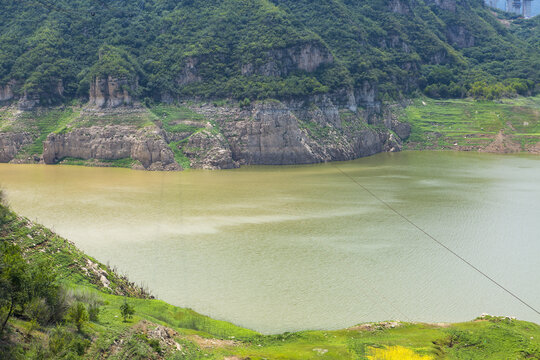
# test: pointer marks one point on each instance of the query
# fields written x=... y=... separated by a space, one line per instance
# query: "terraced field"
x=474 y=125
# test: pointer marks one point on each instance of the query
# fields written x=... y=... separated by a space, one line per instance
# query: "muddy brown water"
x=303 y=247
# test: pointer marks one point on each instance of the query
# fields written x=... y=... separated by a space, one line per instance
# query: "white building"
x=527 y=8
x=520 y=7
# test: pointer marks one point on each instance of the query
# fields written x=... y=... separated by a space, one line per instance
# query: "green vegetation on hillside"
x=470 y=124
x=120 y=163
x=181 y=121
x=252 y=49
x=39 y=123
x=178 y=119
x=69 y=306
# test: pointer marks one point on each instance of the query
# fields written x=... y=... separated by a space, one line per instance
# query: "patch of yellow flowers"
x=395 y=353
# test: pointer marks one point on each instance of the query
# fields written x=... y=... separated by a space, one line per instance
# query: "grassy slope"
x=39 y=123
x=441 y=124
x=173 y=120
x=493 y=338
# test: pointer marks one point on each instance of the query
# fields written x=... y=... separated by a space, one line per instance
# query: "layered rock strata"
x=112 y=142
x=12 y=143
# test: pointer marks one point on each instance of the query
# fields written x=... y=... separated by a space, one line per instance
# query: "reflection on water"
x=287 y=248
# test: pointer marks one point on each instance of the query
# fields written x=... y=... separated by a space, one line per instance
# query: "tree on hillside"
x=127 y=310
x=13 y=279
x=78 y=315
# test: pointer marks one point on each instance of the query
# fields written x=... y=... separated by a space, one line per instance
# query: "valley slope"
x=167 y=85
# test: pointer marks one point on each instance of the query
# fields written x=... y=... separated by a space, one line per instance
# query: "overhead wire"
x=440 y=243
x=51 y=6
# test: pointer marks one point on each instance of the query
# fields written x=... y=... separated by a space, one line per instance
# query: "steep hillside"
x=111 y=51
x=168 y=85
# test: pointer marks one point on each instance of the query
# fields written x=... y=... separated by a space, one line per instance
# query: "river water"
x=304 y=247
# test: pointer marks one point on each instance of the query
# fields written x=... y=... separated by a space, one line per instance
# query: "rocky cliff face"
x=209 y=150
x=111 y=142
x=460 y=37
x=7 y=91
x=272 y=136
x=399 y=7
x=445 y=4
x=280 y=62
x=12 y=143
x=29 y=100
x=189 y=73
x=274 y=133
x=112 y=92
x=301 y=131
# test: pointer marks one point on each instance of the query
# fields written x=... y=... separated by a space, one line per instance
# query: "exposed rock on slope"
x=111 y=92
x=271 y=136
x=280 y=62
x=112 y=142
x=7 y=91
x=460 y=37
x=220 y=137
x=28 y=101
x=189 y=73
x=209 y=150
x=11 y=144
x=445 y=4
x=274 y=133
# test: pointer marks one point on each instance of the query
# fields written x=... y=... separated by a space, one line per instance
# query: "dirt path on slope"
x=502 y=144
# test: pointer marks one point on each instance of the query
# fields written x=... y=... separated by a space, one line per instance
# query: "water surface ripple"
x=302 y=247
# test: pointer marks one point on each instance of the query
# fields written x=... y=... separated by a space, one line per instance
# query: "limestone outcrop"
x=280 y=62
x=11 y=144
x=271 y=137
x=189 y=73
x=399 y=7
x=111 y=92
x=111 y=142
x=7 y=91
x=28 y=101
x=321 y=128
x=460 y=37
x=209 y=150
x=275 y=133
x=445 y=4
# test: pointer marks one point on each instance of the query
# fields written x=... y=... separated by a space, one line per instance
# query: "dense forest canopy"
x=260 y=49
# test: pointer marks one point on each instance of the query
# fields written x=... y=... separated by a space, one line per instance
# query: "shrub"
x=92 y=301
x=78 y=315
x=38 y=310
x=58 y=340
x=136 y=348
x=66 y=345
x=245 y=103
x=59 y=306
x=127 y=310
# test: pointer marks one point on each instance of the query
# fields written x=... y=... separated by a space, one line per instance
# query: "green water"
x=287 y=248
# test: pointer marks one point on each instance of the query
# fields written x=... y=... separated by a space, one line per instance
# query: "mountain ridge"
x=257 y=49
x=168 y=85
